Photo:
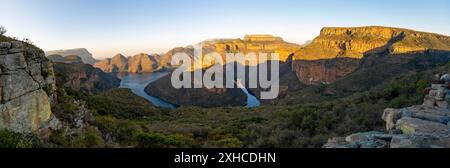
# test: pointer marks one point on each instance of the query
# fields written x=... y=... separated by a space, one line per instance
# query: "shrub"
x=10 y=139
x=2 y=30
x=157 y=140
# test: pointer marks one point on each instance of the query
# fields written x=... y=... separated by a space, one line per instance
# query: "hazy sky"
x=107 y=27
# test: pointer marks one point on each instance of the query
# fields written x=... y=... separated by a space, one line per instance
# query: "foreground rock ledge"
x=420 y=126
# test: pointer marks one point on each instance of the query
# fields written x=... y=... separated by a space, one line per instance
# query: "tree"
x=2 y=30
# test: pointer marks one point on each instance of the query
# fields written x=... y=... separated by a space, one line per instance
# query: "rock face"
x=27 y=89
x=420 y=126
x=135 y=64
x=84 y=77
x=83 y=53
x=320 y=61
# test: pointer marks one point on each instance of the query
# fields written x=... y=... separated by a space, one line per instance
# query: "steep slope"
x=27 y=88
x=337 y=52
x=84 y=77
x=83 y=53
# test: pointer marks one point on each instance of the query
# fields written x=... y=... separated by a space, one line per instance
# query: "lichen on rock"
x=27 y=89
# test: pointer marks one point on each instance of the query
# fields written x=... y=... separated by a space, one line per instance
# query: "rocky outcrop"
x=27 y=89
x=83 y=53
x=84 y=78
x=319 y=62
x=136 y=64
x=420 y=126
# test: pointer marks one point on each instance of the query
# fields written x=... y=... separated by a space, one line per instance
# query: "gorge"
x=335 y=86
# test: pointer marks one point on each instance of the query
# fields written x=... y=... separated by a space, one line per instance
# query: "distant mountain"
x=135 y=64
x=150 y=63
x=83 y=53
x=66 y=59
x=249 y=44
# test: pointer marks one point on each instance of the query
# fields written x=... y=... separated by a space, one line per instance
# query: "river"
x=137 y=82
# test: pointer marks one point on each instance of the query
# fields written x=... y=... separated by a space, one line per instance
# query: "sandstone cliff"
x=27 y=88
x=337 y=52
x=83 y=53
x=420 y=126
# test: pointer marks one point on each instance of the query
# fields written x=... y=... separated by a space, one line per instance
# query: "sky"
x=108 y=27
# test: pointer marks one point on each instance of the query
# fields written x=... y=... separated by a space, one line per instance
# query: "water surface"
x=137 y=82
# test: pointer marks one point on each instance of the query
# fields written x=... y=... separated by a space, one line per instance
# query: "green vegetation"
x=10 y=139
x=121 y=103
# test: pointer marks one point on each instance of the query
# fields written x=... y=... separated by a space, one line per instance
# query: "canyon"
x=40 y=94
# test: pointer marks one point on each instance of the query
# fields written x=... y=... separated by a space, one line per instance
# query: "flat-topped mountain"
x=337 y=52
x=83 y=53
x=337 y=42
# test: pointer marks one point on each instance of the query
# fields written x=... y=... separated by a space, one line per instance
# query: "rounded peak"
x=118 y=55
